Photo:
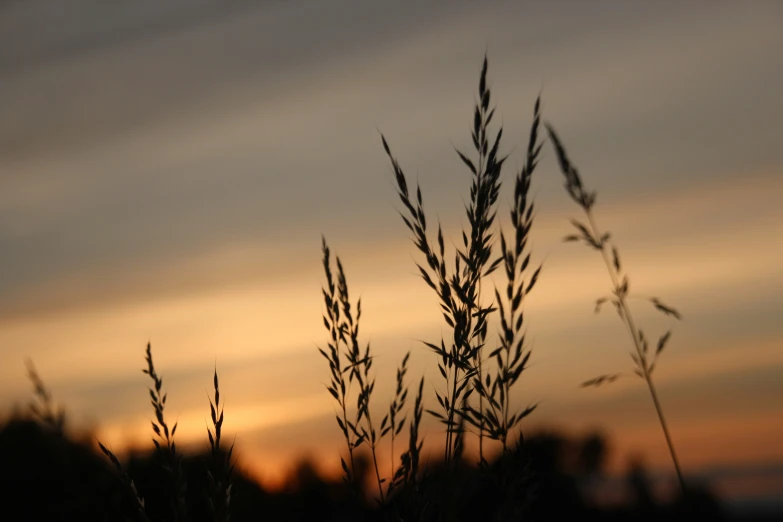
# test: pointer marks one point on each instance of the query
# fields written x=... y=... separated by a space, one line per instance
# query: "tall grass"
x=463 y=364
x=221 y=468
x=644 y=357
x=164 y=443
x=346 y=357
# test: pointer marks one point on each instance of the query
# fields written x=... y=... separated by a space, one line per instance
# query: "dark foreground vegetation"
x=48 y=476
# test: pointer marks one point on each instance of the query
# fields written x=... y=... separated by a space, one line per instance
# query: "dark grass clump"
x=458 y=285
x=478 y=373
x=498 y=419
x=349 y=363
x=219 y=469
x=343 y=332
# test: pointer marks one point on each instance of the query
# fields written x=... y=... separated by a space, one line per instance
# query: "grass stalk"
x=344 y=344
x=392 y=423
x=164 y=443
x=596 y=239
x=221 y=472
x=458 y=289
x=462 y=364
x=639 y=347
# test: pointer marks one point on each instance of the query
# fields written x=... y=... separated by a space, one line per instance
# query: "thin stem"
x=374 y=458
x=666 y=434
x=626 y=312
x=392 y=455
x=452 y=411
x=481 y=420
x=378 y=476
x=478 y=355
x=507 y=385
x=350 y=444
x=448 y=433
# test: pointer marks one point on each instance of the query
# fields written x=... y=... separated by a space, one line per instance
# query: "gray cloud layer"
x=141 y=134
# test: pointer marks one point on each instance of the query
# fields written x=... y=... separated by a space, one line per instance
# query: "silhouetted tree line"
x=48 y=475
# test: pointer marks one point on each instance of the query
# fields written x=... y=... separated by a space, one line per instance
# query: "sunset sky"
x=167 y=170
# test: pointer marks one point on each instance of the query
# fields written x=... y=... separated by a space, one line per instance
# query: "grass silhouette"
x=478 y=372
x=643 y=357
x=463 y=362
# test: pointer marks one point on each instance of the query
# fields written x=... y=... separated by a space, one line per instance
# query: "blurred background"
x=167 y=170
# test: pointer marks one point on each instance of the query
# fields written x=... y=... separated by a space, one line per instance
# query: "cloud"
x=183 y=148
